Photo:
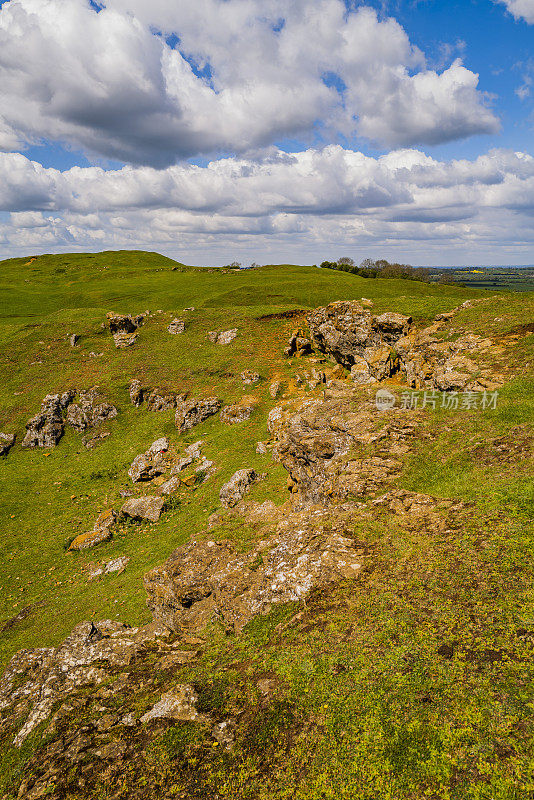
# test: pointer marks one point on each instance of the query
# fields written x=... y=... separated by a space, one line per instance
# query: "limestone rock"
x=74 y=339
x=7 y=440
x=150 y=464
x=36 y=681
x=238 y=412
x=222 y=337
x=149 y=508
x=47 y=427
x=205 y=579
x=344 y=330
x=124 y=323
x=238 y=485
x=160 y=401
x=136 y=393
x=124 y=340
x=178 y=704
x=101 y=532
x=176 y=326
x=90 y=411
x=192 y=412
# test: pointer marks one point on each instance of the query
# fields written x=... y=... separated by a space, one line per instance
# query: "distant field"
x=520 y=279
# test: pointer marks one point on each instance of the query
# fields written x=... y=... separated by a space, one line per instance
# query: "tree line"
x=378 y=269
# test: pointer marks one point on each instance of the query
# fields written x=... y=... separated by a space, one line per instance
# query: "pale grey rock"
x=148 y=507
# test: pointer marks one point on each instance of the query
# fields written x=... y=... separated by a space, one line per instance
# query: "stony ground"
x=340 y=592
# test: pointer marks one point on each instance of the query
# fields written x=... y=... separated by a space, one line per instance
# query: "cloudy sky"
x=269 y=130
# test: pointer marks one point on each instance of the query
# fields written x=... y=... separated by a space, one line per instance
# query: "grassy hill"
x=387 y=716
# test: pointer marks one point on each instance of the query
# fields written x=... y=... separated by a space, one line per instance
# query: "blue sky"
x=178 y=118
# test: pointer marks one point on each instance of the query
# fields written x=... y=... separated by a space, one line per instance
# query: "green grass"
x=366 y=707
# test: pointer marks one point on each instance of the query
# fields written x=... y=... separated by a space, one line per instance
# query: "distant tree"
x=345 y=261
x=233 y=265
x=368 y=263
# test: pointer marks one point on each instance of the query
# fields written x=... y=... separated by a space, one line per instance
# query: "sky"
x=269 y=131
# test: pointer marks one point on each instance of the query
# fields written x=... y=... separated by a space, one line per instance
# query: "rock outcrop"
x=38 y=680
x=150 y=464
x=91 y=410
x=207 y=579
x=176 y=326
x=238 y=485
x=222 y=337
x=237 y=412
x=7 y=440
x=344 y=330
x=47 y=427
x=124 y=327
x=194 y=411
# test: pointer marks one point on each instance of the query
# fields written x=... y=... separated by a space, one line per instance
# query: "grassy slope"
x=388 y=717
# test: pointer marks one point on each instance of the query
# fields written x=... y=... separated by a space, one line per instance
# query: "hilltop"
x=405 y=668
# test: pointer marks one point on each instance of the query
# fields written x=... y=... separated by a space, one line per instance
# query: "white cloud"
x=247 y=73
x=310 y=205
x=521 y=9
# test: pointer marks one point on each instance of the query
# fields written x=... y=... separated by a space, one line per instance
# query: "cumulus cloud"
x=521 y=9
x=153 y=83
x=311 y=203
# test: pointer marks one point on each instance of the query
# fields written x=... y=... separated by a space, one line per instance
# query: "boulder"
x=360 y=372
x=176 y=326
x=136 y=393
x=74 y=339
x=47 y=427
x=123 y=340
x=238 y=485
x=90 y=411
x=150 y=464
x=101 y=532
x=239 y=412
x=149 y=508
x=222 y=337
x=123 y=323
x=192 y=412
x=7 y=440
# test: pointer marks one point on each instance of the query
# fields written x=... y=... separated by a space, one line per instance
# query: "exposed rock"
x=90 y=411
x=222 y=337
x=123 y=340
x=151 y=463
x=192 y=412
x=136 y=393
x=238 y=412
x=149 y=508
x=178 y=704
x=35 y=681
x=299 y=345
x=158 y=401
x=117 y=565
x=47 y=427
x=319 y=442
x=124 y=323
x=101 y=532
x=238 y=485
x=176 y=326
x=201 y=580
x=345 y=329
x=74 y=339
x=248 y=377
x=261 y=449
x=7 y=440
x=172 y=485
